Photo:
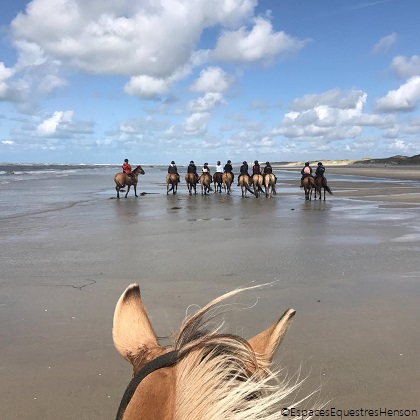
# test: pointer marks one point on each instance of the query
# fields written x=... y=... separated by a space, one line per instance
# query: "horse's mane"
x=218 y=376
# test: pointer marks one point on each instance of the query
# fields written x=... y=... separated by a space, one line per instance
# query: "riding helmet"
x=206 y=164
x=267 y=163
x=173 y=162
x=125 y=160
x=244 y=162
x=229 y=161
x=218 y=162
x=256 y=162
x=191 y=161
x=319 y=163
x=306 y=163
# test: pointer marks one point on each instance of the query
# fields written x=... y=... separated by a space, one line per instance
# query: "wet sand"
x=349 y=266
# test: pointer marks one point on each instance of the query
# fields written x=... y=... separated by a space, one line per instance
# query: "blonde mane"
x=219 y=375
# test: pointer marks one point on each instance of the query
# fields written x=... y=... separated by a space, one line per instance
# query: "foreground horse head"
x=321 y=183
x=270 y=185
x=172 y=181
x=227 y=179
x=205 y=375
x=121 y=180
x=191 y=181
x=205 y=182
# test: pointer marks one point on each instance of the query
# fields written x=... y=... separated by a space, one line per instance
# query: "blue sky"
x=97 y=81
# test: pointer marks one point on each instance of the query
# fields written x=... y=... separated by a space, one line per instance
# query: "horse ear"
x=132 y=331
x=266 y=342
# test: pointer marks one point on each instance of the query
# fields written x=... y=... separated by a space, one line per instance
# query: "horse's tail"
x=249 y=189
x=326 y=187
x=313 y=185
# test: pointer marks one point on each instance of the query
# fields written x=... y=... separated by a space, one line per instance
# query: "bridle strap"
x=165 y=360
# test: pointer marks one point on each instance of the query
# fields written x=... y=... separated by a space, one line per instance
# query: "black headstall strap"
x=165 y=360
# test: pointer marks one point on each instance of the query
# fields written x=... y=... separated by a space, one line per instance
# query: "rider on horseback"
x=126 y=167
x=172 y=169
x=306 y=171
x=206 y=170
x=219 y=167
x=192 y=169
x=243 y=170
x=319 y=171
x=256 y=169
x=228 y=168
x=269 y=170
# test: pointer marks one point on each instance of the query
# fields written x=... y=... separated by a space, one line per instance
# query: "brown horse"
x=227 y=179
x=217 y=181
x=258 y=182
x=121 y=180
x=206 y=374
x=191 y=180
x=172 y=180
x=205 y=181
x=270 y=185
x=308 y=184
x=244 y=184
x=321 y=182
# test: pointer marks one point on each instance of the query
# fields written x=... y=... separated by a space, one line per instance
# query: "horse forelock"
x=218 y=374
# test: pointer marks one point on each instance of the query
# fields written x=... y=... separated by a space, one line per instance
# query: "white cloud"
x=206 y=103
x=385 y=43
x=5 y=74
x=260 y=43
x=7 y=142
x=212 y=79
x=49 y=126
x=196 y=124
x=406 y=67
x=147 y=87
x=405 y=98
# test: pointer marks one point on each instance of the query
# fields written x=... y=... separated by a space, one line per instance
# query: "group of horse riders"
x=227 y=168
x=307 y=172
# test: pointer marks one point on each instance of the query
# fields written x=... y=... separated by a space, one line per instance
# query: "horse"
x=258 y=182
x=308 y=184
x=217 y=181
x=244 y=184
x=191 y=180
x=227 y=179
x=206 y=374
x=321 y=182
x=121 y=180
x=172 y=179
x=270 y=185
x=205 y=181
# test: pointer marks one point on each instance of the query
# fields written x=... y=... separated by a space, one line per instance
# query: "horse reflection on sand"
x=207 y=374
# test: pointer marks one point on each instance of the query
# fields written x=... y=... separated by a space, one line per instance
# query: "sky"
x=98 y=81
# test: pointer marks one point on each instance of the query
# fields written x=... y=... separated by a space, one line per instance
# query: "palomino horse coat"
x=205 y=182
x=244 y=184
x=270 y=185
x=258 y=182
x=121 y=180
x=321 y=183
x=217 y=181
x=191 y=181
x=172 y=180
x=205 y=375
x=308 y=184
x=227 y=179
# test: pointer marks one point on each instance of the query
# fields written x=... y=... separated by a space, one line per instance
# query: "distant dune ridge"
x=393 y=160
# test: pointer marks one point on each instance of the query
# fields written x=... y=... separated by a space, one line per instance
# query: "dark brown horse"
x=172 y=180
x=321 y=183
x=205 y=374
x=121 y=180
x=244 y=181
x=217 y=181
x=205 y=181
x=191 y=180
x=227 y=179
x=309 y=184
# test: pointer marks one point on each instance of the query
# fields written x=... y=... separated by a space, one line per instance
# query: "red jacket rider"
x=126 y=167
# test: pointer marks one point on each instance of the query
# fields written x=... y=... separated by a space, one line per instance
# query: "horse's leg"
x=118 y=191
x=135 y=190
x=128 y=189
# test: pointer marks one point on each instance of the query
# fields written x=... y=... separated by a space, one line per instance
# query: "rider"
x=206 y=170
x=172 y=169
x=219 y=167
x=126 y=167
x=269 y=170
x=243 y=170
x=256 y=169
x=192 y=169
x=306 y=171
x=319 y=171
x=228 y=168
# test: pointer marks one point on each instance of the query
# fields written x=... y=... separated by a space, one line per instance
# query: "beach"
x=349 y=265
